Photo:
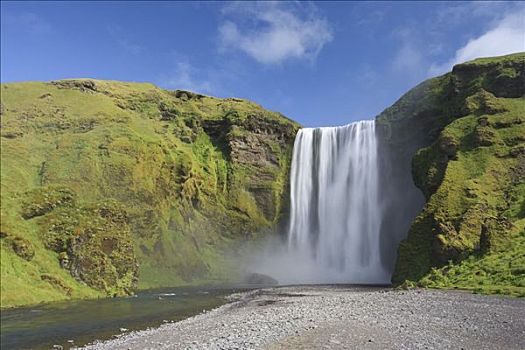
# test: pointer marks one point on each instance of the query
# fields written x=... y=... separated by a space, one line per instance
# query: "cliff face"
x=464 y=135
x=109 y=186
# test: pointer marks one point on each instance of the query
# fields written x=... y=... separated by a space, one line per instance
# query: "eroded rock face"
x=463 y=132
x=84 y=85
x=195 y=174
x=94 y=242
x=504 y=78
x=448 y=145
x=252 y=142
x=484 y=136
x=102 y=254
x=257 y=145
x=20 y=246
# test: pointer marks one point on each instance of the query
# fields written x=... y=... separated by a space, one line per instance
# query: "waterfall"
x=335 y=217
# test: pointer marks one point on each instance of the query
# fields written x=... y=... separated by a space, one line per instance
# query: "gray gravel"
x=332 y=317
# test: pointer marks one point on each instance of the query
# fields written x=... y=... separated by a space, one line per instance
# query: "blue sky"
x=320 y=63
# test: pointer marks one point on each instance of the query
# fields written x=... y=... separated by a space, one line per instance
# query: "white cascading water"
x=335 y=216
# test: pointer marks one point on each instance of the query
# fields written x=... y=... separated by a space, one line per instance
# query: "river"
x=79 y=322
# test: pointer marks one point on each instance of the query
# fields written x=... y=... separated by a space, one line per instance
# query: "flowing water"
x=335 y=217
x=83 y=321
x=334 y=237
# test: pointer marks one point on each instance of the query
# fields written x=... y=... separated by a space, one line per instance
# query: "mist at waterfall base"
x=336 y=218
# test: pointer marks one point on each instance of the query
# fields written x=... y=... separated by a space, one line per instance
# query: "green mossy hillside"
x=470 y=165
x=111 y=186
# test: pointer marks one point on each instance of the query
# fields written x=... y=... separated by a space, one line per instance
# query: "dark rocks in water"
x=260 y=279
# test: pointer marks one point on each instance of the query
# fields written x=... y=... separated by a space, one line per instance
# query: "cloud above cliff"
x=505 y=37
x=272 y=33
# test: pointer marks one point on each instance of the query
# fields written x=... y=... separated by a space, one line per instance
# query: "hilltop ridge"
x=109 y=186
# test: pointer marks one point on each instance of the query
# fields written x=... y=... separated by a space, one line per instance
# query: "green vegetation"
x=109 y=186
x=471 y=169
x=500 y=272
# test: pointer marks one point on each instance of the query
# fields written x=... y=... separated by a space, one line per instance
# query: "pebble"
x=316 y=317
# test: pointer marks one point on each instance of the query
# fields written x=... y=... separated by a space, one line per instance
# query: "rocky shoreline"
x=342 y=317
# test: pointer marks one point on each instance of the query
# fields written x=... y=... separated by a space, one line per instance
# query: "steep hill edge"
x=462 y=136
x=109 y=186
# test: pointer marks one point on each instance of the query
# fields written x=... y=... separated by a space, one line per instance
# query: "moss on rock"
x=44 y=199
x=469 y=166
x=95 y=245
x=195 y=174
x=21 y=247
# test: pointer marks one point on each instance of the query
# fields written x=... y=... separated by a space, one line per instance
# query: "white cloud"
x=272 y=33
x=184 y=77
x=506 y=37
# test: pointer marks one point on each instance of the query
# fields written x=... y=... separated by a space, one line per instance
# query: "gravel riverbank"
x=336 y=317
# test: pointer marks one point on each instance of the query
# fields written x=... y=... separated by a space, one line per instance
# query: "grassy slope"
x=471 y=232
x=477 y=212
x=168 y=158
x=195 y=174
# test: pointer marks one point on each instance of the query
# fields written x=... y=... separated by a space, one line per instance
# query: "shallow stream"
x=76 y=323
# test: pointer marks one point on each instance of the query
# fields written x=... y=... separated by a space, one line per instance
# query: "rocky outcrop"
x=444 y=132
x=503 y=76
x=94 y=242
x=256 y=145
x=260 y=279
x=21 y=247
x=130 y=185
x=84 y=85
